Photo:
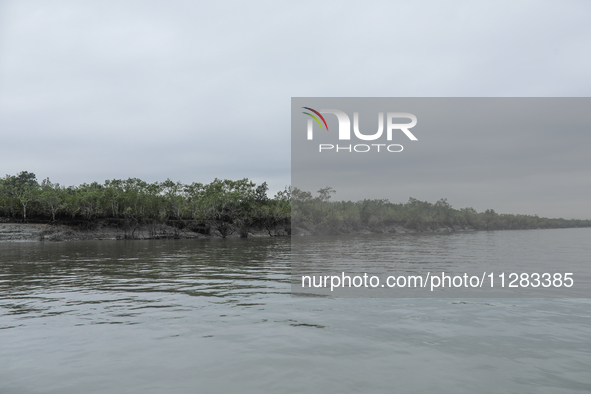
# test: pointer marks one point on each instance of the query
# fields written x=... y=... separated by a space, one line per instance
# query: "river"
x=212 y=315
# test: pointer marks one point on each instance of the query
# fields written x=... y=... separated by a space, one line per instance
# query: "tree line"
x=318 y=214
x=222 y=206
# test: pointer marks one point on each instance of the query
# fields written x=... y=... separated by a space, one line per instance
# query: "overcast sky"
x=514 y=155
x=95 y=90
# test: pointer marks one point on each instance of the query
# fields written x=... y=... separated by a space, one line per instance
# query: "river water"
x=211 y=316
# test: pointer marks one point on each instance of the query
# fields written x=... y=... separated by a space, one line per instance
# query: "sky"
x=513 y=155
x=192 y=91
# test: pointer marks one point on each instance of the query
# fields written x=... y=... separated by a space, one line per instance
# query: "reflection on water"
x=474 y=254
x=117 y=280
x=208 y=316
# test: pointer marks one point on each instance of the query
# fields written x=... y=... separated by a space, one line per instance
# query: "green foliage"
x=51 y=198
x=225 y=207
x=222 y=206
x=20 y=190
x=320 y=215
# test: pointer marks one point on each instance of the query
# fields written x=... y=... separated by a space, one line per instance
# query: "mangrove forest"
x=224 y=207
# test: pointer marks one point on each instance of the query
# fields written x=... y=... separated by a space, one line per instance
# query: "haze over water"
x=186 y=316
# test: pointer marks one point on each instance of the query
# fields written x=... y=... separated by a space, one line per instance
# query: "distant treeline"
x=225 y=207
x=319 y=215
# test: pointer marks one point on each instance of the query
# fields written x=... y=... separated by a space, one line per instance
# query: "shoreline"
x=47 y=232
